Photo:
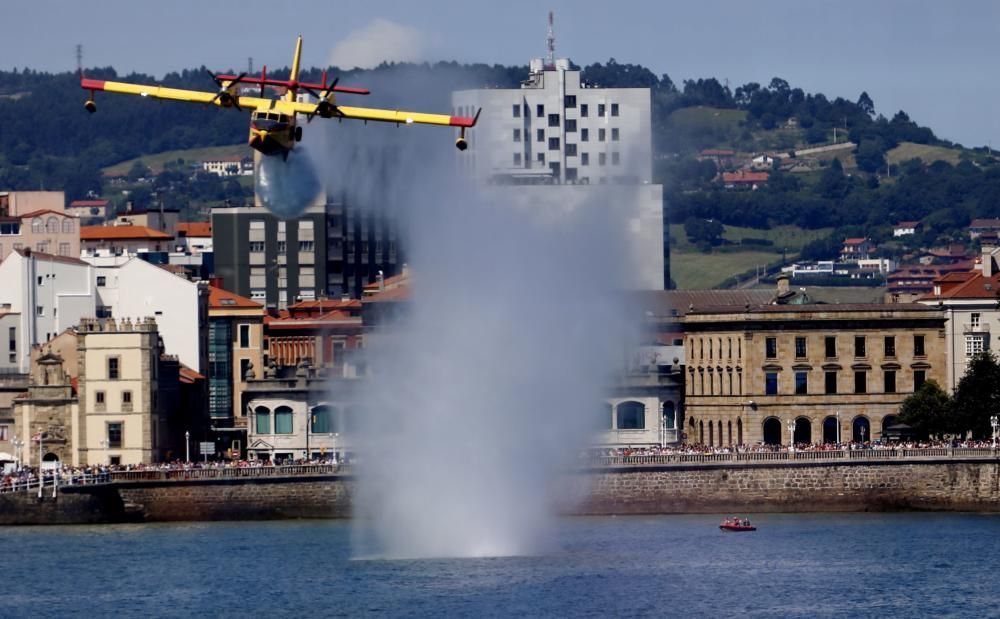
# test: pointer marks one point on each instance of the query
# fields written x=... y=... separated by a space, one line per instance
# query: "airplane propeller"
x=224 y=89
x=324 y=105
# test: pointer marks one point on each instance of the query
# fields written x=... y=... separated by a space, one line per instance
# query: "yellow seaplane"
x=273 y=126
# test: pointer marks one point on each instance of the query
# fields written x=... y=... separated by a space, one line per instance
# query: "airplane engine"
x=226 y=99
x=461 y=144
x=324 y=109
x=90 y=106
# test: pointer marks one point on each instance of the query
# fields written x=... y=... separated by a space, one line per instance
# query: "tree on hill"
x=866 y=104
x=704 y=231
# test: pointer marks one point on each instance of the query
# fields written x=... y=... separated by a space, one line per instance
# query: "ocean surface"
x=850 y=565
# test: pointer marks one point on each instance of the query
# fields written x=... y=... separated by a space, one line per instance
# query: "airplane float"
x=273 y=126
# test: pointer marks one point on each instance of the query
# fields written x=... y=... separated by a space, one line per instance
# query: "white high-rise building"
x=556 y=131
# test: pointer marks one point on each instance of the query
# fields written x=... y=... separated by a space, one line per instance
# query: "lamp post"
x=995 y=423
x=791 y=435
x=18 y=446
x=187 y=446
x=838 y=427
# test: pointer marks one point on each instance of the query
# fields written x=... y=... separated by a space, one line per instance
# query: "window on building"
x=307 y=246
x=244 y=368
x=800 y=347
x=12 y=339
x=602 y=159
x=570 y=125
x=585 y=159
x=890 y=346
x=918 y=346
x=115 y=434
x=540 y=111
x=262 y=420
x=889 y=381
x=919 y=378
x=517 y=159
x=321 y=420
x=771 y=347
x=631 y=416
x=540 y=135
x=256 y=246
x=571 y=174
x=830 y=382
x=860 y=381
x=113 y=370
x=801 y=383
x=540 y=158
x=553 y=143
x=569 y=101
x=616 y=158
x=601 y=135
x=4 y=433
x=67 y=226
x=601 y=109
x=974 y=319
x=584 y=110
x=40 y=310
x=974 y=344
x=244 y=336
x=517 y=135
x=64 y=249
x=860 y=349
x=571 y=150
x=614 y=109
x=283 y=420
x=615 y=135
x=584 y=135
x=830 y=344
x=515 y=110
x=771 y=383
x=282 y=247
x=99 y=398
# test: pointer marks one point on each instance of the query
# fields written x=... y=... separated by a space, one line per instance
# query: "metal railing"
x=65 y=479
x=291 y=470
x=873 y=455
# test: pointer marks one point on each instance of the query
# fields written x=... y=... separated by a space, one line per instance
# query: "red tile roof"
x=189 y=376
x=44 y=211
x=99 y=233
x=985 y=223
x=223 y=299
x=908 y=224
x=195 y=228
x=397 y=293
x=86 y=203
x=744 y=177
x=53 y=258
x=854 y=241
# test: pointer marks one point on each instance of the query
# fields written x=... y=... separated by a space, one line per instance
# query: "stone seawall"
x=954 y=485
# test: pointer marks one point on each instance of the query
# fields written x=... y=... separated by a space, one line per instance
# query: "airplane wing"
x=173 y=94
x=374 y=114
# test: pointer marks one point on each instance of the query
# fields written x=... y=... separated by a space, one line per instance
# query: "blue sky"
x=936 y=60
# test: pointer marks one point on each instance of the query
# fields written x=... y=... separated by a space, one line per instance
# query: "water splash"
x=287 y=187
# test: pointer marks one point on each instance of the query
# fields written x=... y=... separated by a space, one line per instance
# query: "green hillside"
x=190 y=155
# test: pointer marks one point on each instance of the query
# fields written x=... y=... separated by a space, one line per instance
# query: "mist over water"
x=492 y=380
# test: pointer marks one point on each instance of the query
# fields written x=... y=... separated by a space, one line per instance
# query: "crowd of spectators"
x=698 y=449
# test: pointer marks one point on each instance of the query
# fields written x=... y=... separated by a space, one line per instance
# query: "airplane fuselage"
x=273 y=133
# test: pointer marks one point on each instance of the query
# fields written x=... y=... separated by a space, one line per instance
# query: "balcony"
x=981 y=327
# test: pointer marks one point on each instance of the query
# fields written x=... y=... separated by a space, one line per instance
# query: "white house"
x=137 y=289
x=905 y=228
x=41 y=296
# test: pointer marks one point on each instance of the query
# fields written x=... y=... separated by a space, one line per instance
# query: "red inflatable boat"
x=737 y=524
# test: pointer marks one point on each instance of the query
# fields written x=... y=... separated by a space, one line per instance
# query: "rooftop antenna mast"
x=250 y=64
x=550 y=44
x=79 y=59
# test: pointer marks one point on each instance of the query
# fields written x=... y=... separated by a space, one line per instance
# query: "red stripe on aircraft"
x=89 y=84
x=462 y=121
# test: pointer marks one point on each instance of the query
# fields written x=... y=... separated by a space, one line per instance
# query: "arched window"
x=322 y=420
x=631 y=416
x=283 y=420
x=669 y=415
x=830 y=433
x=739 y=431
x=772 y=431
x=67 y=225
x=803 y=431
x=37 y=225
x=263 y=419
x=861 y=430
x=52 y=225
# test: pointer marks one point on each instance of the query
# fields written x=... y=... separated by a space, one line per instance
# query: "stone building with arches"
x=805 y=373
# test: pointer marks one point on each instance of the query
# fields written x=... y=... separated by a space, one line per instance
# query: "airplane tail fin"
x=294 y=77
